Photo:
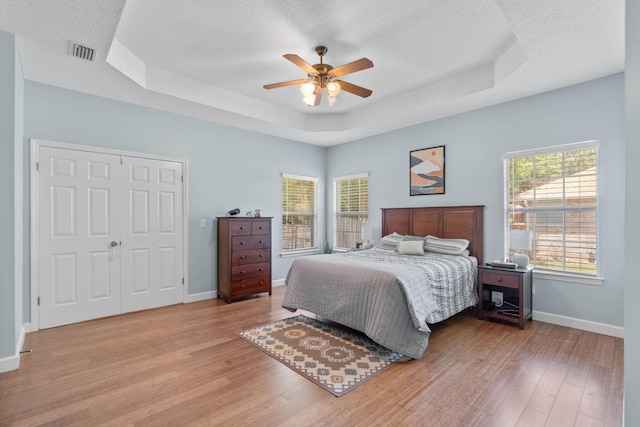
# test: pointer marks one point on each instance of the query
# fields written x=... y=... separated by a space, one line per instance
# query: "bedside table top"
x=508 y=270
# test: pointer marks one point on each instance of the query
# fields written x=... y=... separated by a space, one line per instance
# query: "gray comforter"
x=392 y=298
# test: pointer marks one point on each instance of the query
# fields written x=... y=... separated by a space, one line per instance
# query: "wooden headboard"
x=450 y=222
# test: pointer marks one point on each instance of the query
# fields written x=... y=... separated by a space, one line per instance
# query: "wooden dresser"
x=244 y=256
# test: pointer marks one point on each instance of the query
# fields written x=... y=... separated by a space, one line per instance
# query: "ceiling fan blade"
x=354 y=89
x=301 y=63
x=287 y=83
x=351 y=67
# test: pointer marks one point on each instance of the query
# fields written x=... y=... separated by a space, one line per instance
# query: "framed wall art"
x=426 y=171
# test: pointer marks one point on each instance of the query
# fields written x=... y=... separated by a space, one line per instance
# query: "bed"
x=391 y=296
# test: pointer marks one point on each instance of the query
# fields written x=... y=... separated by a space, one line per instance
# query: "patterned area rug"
x=331 y=356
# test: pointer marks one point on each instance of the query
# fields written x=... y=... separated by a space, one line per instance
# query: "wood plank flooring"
x=183 y=365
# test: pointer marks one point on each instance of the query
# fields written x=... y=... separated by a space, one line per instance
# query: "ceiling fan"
x=323 y=76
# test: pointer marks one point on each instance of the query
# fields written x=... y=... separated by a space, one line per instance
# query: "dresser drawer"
x=241 y=243
x=250 y=270
x=261 y=227
x=500 y=279
x=251 y=286
x=251 y=256
x=240 y=228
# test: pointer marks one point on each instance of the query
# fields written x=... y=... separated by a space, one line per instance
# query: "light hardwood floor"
x=183 y=365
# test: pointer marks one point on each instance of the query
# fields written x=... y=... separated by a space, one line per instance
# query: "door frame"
x=34 y=214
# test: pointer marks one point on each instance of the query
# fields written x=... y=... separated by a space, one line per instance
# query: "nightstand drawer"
x=500 y=279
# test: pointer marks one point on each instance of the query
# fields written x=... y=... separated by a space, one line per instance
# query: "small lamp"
x=520 y=240
x=367 y=235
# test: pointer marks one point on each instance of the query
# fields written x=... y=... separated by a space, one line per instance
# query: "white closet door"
x=78 y=222
x=152 y=266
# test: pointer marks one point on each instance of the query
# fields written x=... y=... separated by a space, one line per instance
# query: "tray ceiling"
x=209 y=60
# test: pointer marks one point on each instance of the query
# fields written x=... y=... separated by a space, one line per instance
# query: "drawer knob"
x=242 y=257
x=242 y=286
x=262 y=283
x=499 y=279
x=242 y=272
x=261 y=255
x=260 y=228
x=261 y=241
x=262 y=269
x=241 y=228
x=242 y=243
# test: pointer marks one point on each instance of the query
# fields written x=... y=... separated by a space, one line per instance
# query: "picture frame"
x=427 y=171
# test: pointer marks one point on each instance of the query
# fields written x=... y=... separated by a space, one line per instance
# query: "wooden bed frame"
x=450 y=222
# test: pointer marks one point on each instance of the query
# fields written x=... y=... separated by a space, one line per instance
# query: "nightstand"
x=505 y=294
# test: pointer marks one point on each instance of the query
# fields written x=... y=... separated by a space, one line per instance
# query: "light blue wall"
x=227 y=167
x=474 y=145
x=632 y=213
x=20 y=220
x=230 y=168
x=11 y=224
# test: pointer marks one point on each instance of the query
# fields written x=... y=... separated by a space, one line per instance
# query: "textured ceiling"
x=209 y=60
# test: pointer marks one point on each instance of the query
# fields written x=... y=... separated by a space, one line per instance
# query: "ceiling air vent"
x=82 y=52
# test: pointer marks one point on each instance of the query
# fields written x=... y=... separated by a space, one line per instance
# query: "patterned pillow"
x=445 y=246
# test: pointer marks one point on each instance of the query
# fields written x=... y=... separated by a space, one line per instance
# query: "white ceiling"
x=210 y=59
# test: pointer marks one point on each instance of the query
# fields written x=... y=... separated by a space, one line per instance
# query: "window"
x=553 y=193
x=350 y=210
x=299 y=213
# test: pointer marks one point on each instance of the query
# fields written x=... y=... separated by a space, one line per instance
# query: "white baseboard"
x=11 y=363
x=585 y=325
x=201 y=296
x=213 y=294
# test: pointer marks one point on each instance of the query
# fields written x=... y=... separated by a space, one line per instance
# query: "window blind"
x=299 y=212
x=350 y=209
x=553 y=193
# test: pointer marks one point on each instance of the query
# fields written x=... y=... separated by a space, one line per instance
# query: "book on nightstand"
x=502 y=264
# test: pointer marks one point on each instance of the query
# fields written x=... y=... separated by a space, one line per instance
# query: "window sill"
x=302 y=252
x=567 y=277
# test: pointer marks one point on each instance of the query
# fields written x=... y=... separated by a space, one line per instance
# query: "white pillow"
x=411 y=247
x=445 y=246
x=390 y=241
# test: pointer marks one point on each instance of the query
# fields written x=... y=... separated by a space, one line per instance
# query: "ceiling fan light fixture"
x=309 y=100
x=333 y=89
x=308 y=88
x=320 y=77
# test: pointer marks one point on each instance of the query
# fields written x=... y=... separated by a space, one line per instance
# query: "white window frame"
x=558 y=275
x=314 y=247
x=336 y=205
